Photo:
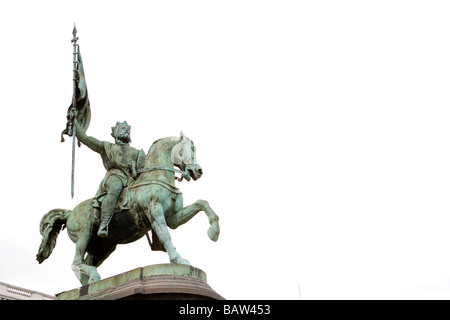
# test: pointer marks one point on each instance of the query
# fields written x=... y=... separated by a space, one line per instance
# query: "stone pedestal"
x=156 y=282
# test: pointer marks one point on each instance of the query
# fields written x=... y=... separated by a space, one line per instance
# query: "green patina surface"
x=137 y=196
x=178 y=270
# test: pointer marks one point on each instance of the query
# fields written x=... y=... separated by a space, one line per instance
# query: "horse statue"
x=150 y=203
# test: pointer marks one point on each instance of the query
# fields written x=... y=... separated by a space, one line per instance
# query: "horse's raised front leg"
x=159 y=225
x=188 y=212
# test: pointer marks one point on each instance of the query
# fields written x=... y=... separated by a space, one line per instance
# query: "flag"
x=82 y=100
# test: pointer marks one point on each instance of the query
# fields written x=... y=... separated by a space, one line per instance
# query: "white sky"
x=321 y=126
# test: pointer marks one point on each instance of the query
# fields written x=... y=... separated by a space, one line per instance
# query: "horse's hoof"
x=180 y=260
x=213 y=231
x=94 y=278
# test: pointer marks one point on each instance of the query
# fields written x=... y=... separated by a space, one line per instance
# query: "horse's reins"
x=184 y=173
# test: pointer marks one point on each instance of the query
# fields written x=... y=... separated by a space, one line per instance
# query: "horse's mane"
x=161 y=140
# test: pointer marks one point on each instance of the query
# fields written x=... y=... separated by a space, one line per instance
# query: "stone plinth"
x=156 y=282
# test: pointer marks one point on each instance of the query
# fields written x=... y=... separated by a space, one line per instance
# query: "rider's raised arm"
x=90 y=142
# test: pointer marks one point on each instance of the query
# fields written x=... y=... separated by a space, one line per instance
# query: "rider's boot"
x=108 y=204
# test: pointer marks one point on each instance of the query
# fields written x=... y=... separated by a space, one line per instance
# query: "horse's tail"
x=51 y=224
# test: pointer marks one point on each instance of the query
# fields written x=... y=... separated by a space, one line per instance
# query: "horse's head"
x=185 y=158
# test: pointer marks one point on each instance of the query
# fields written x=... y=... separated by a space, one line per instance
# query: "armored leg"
x=114 y=187
x=108 y=205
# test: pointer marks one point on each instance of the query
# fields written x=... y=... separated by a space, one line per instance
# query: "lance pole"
x=74 y=102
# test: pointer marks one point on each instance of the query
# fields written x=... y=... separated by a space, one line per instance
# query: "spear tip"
x=74 y=32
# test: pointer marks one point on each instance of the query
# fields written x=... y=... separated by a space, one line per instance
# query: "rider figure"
x=121 y=162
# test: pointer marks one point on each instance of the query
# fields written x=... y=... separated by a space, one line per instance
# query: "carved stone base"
x=156 y=282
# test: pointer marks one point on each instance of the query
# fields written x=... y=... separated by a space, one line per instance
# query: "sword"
x=73 y=128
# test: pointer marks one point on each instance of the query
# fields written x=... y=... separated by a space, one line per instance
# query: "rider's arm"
x=90 y=142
